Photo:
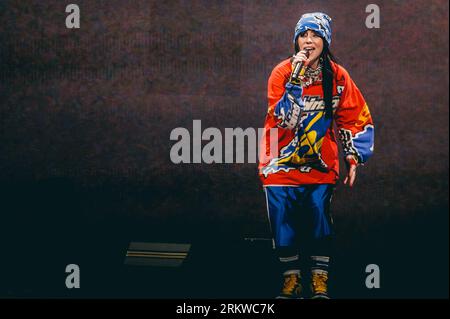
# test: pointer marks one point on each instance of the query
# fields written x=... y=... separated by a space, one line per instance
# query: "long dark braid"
x=327 y=79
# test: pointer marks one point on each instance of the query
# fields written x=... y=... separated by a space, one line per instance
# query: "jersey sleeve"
x=285 y=101
x=354 y=122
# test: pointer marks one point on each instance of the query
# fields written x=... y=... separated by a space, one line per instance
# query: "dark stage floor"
x=218 y=265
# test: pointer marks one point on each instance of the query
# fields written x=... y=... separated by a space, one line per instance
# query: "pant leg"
x=282 y=203
x=283 y=217
x=317 y=204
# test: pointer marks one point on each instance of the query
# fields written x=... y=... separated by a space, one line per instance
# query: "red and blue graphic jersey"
x=306 y=152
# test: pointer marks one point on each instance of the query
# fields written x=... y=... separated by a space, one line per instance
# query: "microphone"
x=300 y=67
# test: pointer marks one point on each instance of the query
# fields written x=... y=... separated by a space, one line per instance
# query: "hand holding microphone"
x=300 y=62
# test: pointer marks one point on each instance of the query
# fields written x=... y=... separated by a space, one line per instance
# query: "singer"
x=308 y=95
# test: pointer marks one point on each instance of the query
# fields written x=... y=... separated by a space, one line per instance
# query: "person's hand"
x=298 y=58
x=351 y=164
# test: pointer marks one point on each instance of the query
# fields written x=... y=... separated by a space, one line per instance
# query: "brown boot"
x=319 y=285
x=292 y=287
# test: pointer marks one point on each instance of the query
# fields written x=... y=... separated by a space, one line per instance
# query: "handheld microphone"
x=300 y=68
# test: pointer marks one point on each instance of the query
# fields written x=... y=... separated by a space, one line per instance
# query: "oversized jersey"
x=307 y=153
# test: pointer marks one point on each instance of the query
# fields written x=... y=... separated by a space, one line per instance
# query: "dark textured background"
x=84 y=152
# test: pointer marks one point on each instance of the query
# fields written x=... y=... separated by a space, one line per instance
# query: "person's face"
x=311 y=40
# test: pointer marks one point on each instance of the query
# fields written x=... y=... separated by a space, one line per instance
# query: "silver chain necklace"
x=311 y=76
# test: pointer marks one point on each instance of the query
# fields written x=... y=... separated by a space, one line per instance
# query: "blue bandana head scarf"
x=316 y=21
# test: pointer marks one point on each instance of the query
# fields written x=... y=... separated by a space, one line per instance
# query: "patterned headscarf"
x=316 y=21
